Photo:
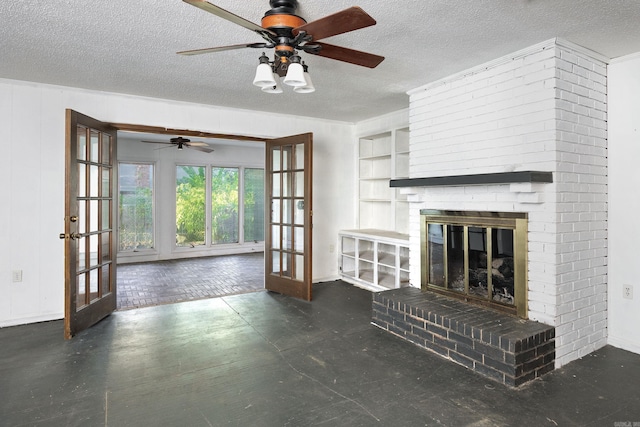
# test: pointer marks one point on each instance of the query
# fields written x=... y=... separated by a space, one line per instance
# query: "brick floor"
x=166 y=282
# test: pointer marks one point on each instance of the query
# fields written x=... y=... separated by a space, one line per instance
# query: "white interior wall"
x=624 y=204
x=32 y=137
x=165 y=159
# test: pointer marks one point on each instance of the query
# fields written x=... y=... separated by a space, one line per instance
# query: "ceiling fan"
x=181 y=143
x=287 y=33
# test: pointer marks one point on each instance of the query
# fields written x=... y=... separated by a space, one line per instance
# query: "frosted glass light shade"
x=308 y=87
x=275 y=88
x=264 y=76
x=295 y=75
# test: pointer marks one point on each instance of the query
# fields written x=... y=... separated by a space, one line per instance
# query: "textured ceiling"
x=129 y=47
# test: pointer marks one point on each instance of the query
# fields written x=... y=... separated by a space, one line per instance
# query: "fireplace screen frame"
x=515 y=221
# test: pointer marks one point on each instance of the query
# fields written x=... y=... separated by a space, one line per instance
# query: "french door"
x=289 y=228
x=90 y=212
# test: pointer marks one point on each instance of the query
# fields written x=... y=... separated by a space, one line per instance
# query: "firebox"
x=480 y=257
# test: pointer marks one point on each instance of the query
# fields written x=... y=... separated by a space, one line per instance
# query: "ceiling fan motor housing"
x=281 y=19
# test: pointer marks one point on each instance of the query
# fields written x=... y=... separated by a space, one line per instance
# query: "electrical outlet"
x=17 y=276
x=627 y=291
x=331 y=248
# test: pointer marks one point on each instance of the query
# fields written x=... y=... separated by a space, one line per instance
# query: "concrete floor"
x=262 y=359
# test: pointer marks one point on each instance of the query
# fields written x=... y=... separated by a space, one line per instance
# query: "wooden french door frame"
x=289 y=212
x=90 y=217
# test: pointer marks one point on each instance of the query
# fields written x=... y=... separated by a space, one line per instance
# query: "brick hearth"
x=498 y=346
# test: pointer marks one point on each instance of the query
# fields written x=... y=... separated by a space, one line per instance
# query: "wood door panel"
x=288 y=236
x=90 y=212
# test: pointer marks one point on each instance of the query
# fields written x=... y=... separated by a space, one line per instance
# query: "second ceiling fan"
x=288 y=33
x=182 y=143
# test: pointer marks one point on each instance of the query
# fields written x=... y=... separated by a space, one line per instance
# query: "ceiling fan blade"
x=218 y=11
x=199 y=148
x=351 y=56
x=222 y=48
x=197 y=144
x=156 y=142
x=350 y=19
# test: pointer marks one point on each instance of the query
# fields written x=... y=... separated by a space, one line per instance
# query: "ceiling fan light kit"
x=288 y=34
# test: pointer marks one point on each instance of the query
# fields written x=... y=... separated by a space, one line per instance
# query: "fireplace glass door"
x=480 y=257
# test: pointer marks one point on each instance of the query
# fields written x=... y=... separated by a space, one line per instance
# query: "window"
x=135 y=225
x=253 y=205
x=224 y=205
x=211 y=197
x=190 y=206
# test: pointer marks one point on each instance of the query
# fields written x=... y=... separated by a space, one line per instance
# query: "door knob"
x=75 y=236
x=63 y=236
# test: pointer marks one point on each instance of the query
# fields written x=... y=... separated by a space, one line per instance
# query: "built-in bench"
x=498 y=346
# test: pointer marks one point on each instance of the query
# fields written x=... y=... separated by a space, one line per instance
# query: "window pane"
x=224 y=205
x=190 y=205
x=253 y=205
x=136 y=206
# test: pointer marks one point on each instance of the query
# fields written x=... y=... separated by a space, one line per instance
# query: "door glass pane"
x=299 y=162
x=298 y=212
x=286 y=185
x=275 y=237
x=82 y=180
x=224 y=205
x=276 y=158
x=275 y=185
x=82 y=143
x=106 y=182
x=287 y=259
x=275 y=211
x=502 y=267
x=455 y=257
x=135 y=225
x=435 y=251
x=190 y=206
x=299 y=239
x=253 y=205
x=81 y=292
x=477 y=252
x=82 y=216
x=93 y=250
x=286 y=211
x=286 y=238
x=106 y=275
x=298 y=190
x=94 y=149
x=94 y=180
x=286 y=157
x=93 y=284
x=106 y=214
x=81 y=254
x=105 y=247
x=106 y=149
x=275 y=262
x=93 y=215
x=299 y=268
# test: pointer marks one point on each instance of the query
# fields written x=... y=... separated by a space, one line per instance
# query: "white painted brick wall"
x=540 y=109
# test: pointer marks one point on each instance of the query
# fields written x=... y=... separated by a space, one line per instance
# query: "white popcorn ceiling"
x=129 y=46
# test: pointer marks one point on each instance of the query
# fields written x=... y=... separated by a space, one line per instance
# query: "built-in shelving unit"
x=376 y=260
x=383 y=157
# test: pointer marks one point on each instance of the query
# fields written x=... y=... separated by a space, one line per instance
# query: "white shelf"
x=374 y=259
x=383 y=157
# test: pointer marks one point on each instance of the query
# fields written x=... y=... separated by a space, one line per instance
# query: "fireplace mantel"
x=476 y=179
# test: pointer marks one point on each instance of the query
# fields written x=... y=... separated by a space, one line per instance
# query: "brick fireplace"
x=542 y=109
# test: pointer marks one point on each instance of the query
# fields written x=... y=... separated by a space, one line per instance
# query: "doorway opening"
x=191 y=221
